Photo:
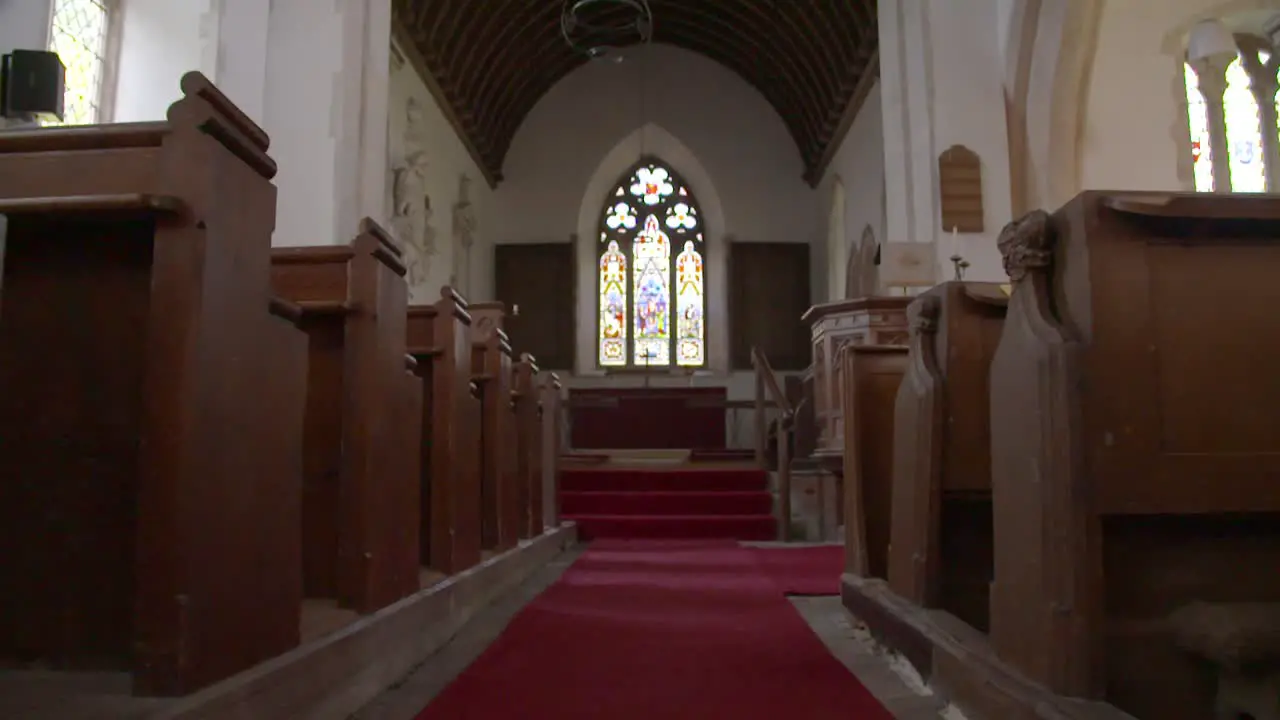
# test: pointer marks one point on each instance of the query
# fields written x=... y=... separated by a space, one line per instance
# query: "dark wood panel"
x=539 y=279
x=768 y=292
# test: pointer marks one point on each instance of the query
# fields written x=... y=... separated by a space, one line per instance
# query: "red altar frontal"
x=647 y=418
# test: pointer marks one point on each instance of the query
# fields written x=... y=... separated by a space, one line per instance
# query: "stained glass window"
x=652 y=281
x=1244 y=132
x=1201 y=146
x=79 y=36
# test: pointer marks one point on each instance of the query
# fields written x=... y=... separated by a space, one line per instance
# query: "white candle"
x=955 y=240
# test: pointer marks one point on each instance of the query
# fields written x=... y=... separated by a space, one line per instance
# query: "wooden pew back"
x=871 y=375
x=941 y=539
x=454 y=478
x=1135 y=435
x=491 y=368
x=141 y=483
x=530 y=447
x=551 y=424
x=360 y=491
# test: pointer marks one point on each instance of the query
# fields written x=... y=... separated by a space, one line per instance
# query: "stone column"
x=1263 y=83
x=1212 y=74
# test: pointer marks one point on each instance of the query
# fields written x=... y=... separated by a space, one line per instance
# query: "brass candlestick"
x=959 y=265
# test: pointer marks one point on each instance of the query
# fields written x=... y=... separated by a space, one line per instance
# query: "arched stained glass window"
x=652 y=278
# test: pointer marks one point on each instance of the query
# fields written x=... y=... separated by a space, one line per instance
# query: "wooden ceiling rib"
x=490 y=62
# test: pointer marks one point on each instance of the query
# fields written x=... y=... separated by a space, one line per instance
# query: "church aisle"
x=658 y=629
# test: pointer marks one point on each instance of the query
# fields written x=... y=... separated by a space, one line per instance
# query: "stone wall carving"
x=411 y=212
x=464 y=235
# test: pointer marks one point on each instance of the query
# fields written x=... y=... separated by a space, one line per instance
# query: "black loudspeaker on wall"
x=31 y=85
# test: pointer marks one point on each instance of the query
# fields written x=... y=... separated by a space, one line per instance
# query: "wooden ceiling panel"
x=490 y=62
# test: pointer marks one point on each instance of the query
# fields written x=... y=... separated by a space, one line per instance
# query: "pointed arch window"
x=1233 y=114
x=652 y=275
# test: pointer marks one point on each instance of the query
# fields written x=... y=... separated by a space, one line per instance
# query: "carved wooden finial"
x=1026 y=244
x=922 y=315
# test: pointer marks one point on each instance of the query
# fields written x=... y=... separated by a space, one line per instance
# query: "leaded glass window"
x=652 y=281
x=79 y=36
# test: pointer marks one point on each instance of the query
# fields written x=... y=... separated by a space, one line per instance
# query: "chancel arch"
x=651 y=279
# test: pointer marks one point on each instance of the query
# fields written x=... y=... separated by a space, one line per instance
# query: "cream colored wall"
x=856 y=176
x=447 y=161
x=1102 y=98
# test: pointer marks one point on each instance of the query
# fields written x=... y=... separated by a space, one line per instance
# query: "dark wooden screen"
x=768 y=292
x=539 y=278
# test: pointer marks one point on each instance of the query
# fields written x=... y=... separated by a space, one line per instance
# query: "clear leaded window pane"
x=79 y=36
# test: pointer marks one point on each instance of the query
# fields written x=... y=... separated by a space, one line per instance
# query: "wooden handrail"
x=767 y=384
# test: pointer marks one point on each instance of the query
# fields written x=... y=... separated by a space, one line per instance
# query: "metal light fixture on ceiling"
x=598 y=27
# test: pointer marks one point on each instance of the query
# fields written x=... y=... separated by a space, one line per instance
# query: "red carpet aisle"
x=645 y=630
x=806 y=570
x=668 y=502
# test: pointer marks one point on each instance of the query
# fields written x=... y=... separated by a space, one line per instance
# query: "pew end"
x=137 y=435
x=1121 y=377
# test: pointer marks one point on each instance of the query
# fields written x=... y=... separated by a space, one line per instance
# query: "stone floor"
x=889 y=677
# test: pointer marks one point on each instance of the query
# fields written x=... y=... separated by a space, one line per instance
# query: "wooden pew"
x=439 y=338
x=1135 y=424
x=870 y=376
x=492 y=371
x=148 y=485
x=863 y=321
x=941 y=551
x=360 y=491
x=551 y=419
x=529 y=447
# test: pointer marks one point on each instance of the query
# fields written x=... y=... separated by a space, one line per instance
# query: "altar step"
x=683 y=502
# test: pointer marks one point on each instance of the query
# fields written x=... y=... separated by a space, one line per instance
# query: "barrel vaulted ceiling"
x=489 y=61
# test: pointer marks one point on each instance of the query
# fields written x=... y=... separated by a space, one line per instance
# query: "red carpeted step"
x=738 y=527
x=599 y=479
x=753 y=502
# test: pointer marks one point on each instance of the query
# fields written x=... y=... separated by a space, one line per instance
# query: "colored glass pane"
x=1198 y=119
x=651 y=255
x=690 y=336
x=652 y=303
x=613 y=307
x=1244 y=132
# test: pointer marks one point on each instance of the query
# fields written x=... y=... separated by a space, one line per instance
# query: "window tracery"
x=651 y=279
x=1233 y=114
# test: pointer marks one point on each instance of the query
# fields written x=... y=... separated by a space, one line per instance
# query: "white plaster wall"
x=969 y=110
x=160 y=40
x=447 y=160
x=859 y=165
x=314 y=75
x=1134 y=135
x=24 y=24
x=942 y=73
x=710 y=125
